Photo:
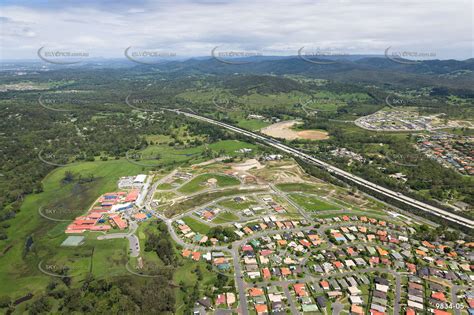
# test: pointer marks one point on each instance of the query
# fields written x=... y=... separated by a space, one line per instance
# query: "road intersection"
x=241 y=285
x=235 y=247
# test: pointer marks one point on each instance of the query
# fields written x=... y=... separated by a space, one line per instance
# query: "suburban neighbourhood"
x=450 y=150
x=407 y=119
x=293 y=244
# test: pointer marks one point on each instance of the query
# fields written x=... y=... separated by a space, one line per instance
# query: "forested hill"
x=457 y=76
x=452 y=74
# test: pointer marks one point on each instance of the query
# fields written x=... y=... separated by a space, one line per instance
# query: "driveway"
x=337 y=307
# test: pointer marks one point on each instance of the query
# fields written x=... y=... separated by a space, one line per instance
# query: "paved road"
x=337 y=307
x=132 y=239
x=239 y=280
x=398 y=292
x=134 y=244
x=234 y=252
x=308 y=278
x=454 y=296
x=246 y=192
x=446 y=215
x=238 y=276
x=289 y=298
x=302 y=212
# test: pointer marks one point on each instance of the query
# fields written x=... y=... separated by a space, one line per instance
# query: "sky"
x=441 y=29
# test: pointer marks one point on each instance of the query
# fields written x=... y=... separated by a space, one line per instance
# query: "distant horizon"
x=104 y=28
x=204 y=57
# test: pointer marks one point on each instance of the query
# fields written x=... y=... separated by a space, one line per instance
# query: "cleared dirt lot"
x=248 y=165
x=284 y=130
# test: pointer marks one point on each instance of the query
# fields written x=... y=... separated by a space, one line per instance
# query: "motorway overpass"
x=446 y=215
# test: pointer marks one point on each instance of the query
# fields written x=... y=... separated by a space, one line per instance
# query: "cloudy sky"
x=105 y=28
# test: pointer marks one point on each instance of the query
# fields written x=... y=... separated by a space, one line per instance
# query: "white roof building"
x=354 y=290
x=350 y=263
x=355 y=299
x=140 y=179
x=415 y=305
x=207 y=256
x=381 y=287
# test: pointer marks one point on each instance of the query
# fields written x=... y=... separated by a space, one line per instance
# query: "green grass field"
x=302 y=187
x=230 y=146
x=252 y=124
x=311 y=203
x=200 y=199
x=19 y=272
x=164 y=196
x=225 y=217
x=173 y=155
x=165 y=186
x=290 y=209
x=200 y=182
x=150 y=258
x=196 y=226
x=233 y=205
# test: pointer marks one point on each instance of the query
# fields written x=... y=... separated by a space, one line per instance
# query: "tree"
x=4 y=301
x=39 y=306
x=68 y=177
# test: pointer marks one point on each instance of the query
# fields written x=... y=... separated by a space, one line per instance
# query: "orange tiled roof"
x=438 y=296
x=261 y=308
x=255 y=292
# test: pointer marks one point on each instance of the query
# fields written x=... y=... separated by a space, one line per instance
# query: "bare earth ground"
x=247 y=165
x=283 y=130
x=278 y=173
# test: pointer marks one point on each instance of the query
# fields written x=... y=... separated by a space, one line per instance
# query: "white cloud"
x=195 y=27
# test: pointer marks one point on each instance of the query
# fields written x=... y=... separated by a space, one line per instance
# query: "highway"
x=334 y=170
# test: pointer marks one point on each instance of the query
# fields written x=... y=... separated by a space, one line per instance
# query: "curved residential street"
x=234 y=251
